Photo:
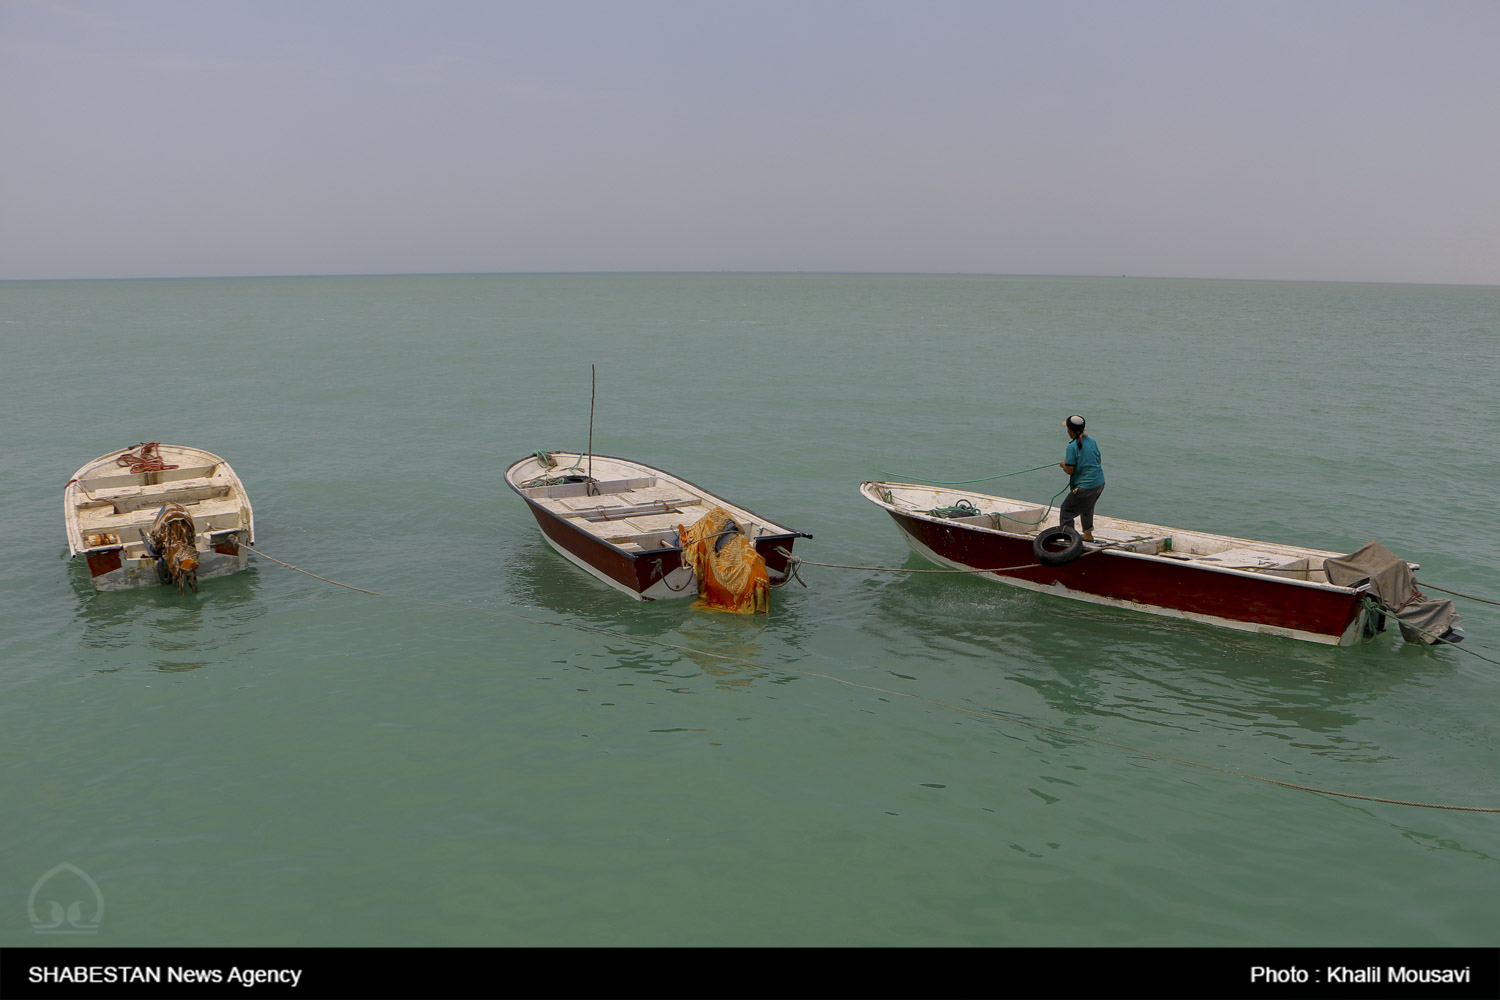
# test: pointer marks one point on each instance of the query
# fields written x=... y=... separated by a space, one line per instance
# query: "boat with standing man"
x=1238 y=583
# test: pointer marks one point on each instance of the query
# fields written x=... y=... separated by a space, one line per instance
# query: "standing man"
x=1085 y=477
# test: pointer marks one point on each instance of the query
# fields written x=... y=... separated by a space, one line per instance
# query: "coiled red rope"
x=147 y=459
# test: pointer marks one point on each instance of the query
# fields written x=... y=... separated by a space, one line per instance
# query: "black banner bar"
x=56 y=973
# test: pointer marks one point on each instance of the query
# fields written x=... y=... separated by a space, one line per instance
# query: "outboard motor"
x=172 y=539
x=1393 y=586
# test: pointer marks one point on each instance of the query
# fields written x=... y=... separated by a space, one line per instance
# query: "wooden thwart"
x=620 y=513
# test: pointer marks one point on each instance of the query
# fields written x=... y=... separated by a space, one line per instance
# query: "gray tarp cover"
x=1394 y=587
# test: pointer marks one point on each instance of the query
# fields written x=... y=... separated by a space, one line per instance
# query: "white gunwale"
x=1202 y=550
x=624 y=513
x=1288 y=568
x=107 y=508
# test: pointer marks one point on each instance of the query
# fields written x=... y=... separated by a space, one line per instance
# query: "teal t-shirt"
x=1088 y=468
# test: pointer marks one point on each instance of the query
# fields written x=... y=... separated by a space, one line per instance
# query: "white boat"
x=618 y=521
x=158 y=514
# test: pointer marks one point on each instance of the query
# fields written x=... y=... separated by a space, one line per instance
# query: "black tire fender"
x=1057 y=546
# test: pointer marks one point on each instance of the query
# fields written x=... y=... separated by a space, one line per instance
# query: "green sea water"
x=884 y=759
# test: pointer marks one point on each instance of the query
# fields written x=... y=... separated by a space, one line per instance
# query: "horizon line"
x=753 y=272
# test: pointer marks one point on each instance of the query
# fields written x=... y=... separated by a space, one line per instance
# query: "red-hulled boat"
x=1237 y=583
x=618 y=520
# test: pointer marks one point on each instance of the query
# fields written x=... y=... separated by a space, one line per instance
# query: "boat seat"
x=602 y=487
x=616 y=512
x=978 y=520
x=217 y=515
x=1020 y=522
x=1124 y=541
x=656 y=494
x=137 y=480
x=1300 y=569
x=655 y=524
x=661 y=539
x=1241 y=558
x=208 y=515
x=191 y=491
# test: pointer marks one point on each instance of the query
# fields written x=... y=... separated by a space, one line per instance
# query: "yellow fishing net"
x=731 y=574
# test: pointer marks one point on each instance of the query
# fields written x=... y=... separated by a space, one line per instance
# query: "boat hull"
x=1212 y=595
x=108 y=510
x=118 y=573
x=645 y=574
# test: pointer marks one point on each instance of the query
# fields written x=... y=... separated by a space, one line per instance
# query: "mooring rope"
x=897 y=694
x=971 y=482
x=1375 y=607
x=1470 y=597
x=346 y=586
x=892 y=499
x=903 y=569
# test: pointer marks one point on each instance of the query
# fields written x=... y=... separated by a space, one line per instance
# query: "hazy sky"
x=1308 y=140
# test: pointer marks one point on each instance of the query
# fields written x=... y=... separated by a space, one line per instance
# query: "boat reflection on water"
x=665 y=639
x=1105 y=663
x=211 y=628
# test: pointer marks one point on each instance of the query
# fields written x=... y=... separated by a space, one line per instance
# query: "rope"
x=373 y=593
x=964 y=508
x=1471 y=597
x=791 y=574
x=546 y=460
x=1046 y=513
x=148 y=459
x=1223 y=770
x=795 y=559
x=903 y=569
x=898 y=694
x=970 y=482
x=1437 y=640
x=84 y=489
x=667 y=582
x=892 y=499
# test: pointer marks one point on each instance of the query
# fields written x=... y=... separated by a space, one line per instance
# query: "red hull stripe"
x=1157 y=582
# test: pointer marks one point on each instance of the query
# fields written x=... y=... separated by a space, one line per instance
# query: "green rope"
x=1050 y=504
x=963 y=508
x=966 y=508
x=1374 y=608
x=970 y=482
x=545 y=460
